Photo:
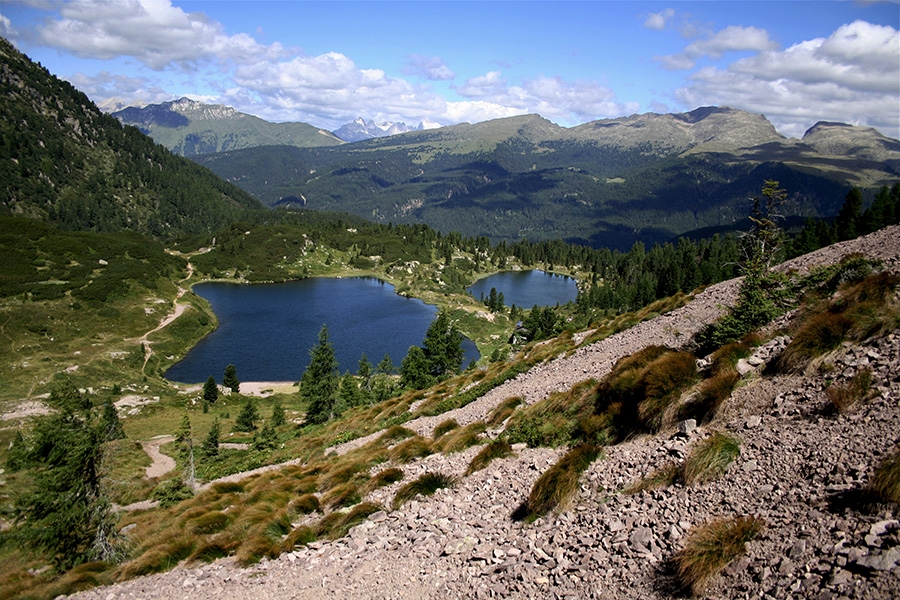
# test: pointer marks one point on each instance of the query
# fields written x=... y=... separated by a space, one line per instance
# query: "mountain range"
x=649 y=177
x=360 y=129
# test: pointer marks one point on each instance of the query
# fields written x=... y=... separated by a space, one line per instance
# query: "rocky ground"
x=800 y=470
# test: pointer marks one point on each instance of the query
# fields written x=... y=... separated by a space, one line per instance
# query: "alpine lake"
x=267 y=330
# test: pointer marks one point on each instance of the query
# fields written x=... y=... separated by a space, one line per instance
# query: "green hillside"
x=65 y=162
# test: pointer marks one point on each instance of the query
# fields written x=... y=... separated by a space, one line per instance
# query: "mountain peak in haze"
x=360 y=129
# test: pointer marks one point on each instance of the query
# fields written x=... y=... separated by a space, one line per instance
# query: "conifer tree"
x=110 y=424
x=230 y=379
x=65 y=511
x=443 y=347
x=210 y=390
x=319 y=383
x=246 y=420
x=277 y=419
x=210 y=448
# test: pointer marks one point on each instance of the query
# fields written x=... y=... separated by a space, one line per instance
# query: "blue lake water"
x=267 y=330
x=526 y=289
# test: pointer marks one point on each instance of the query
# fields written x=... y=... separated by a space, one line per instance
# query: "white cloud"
x=659 y=20
x=428 y=67
x=852 y=76
x=126 y=90
x=730 y=39
x=152 y=31
x=552 y=97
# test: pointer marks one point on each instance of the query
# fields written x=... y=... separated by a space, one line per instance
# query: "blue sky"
x=326 y=63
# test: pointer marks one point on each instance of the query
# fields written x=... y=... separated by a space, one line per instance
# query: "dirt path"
x=161 y=463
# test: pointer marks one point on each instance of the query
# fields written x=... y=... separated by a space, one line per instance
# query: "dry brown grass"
x=885 y=481
x=494 y=450
x=709 y=459
x=710 y=548
x=556 y=487
x=845 y=397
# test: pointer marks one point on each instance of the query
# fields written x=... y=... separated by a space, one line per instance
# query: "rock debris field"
x=798 y=470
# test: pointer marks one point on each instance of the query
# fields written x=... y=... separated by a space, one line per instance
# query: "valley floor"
x=799 y=470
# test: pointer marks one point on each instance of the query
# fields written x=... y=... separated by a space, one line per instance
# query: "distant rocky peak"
x=361 y=129
x=199 y=111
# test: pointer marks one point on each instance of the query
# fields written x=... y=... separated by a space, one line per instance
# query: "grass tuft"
x=346 y=494
x=710 y=548
x=414 y=447
x=885 y=481
x=444 y=427
x=503 y=411
x=556 y=487
x=666 y=475
x=710 y=458
x=426 y=485
x=844 y=397
x=460 y=438
x=496 y=449
x=382 y=479
x=305 y=504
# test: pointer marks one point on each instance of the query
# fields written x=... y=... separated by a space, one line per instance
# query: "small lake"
x=527 y=289
x=267 y=330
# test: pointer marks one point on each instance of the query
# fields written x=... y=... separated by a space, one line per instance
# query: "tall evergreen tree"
x=277 y=419
x=246 y=419
x=319 y=383
x=847 y=224
x=443 y=347
x=210 y=448
x=65 y=512
x=231 y=380
x=110 y=424
x=210 y=390
x=414 y=370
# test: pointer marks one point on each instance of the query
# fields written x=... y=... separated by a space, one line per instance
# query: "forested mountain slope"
x=65 y=162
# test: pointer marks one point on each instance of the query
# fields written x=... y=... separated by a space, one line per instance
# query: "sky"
x=447 y=62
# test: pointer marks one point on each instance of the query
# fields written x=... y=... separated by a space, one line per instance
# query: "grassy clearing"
x=556 y=487
x=710 y=548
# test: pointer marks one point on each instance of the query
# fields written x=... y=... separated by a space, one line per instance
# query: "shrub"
x=171 y=492
x=426 y=485
x=844 y=397
x=710 y=548
x=710 y=458
x=885 y=482
x=555 y=488
x=496 y=449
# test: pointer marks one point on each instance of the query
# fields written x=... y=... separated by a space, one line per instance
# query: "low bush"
x=885 y=481
x=710 y=458
x=496 y=449
x=426 y=485
x=555 y=488
x=711 y=547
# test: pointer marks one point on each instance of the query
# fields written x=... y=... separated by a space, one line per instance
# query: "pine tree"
x=277 y=419
x=210 y=448
x=266 y=438
x=230 y=379
x=65 y=512
x=246 y=420
x=319 y=383
x=110 y=423
x=443 y=347
x=210 y=390
x=414 y=370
